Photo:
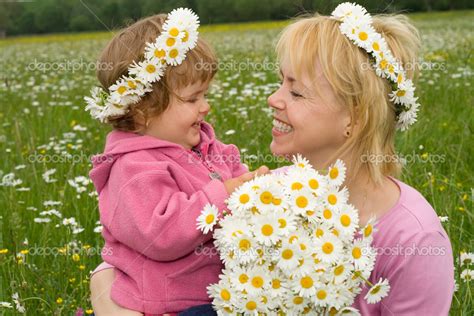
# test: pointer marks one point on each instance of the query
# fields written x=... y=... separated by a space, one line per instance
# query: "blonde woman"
x=333 y=104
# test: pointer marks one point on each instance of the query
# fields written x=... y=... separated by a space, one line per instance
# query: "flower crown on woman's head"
x=179 y=35
x=357 y=26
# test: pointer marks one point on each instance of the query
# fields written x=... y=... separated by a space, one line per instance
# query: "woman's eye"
x=192 y=100
x=295 y=94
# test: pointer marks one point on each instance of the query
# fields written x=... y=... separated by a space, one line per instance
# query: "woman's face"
x=306 y=122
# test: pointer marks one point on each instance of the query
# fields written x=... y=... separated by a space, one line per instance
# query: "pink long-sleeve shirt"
x=150 y=194
x=414 y=253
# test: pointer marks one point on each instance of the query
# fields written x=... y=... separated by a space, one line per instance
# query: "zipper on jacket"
x=213 y=174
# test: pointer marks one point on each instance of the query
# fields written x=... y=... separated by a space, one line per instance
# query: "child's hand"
x=234 y=183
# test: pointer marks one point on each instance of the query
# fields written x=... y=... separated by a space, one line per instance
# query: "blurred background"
x=52 y=16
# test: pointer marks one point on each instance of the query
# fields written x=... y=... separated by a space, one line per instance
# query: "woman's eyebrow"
x=290 y=79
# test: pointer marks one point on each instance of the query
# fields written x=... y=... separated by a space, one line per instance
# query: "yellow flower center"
x=276 y=284
x=301 y=201
x=401 y=93
x=383 y=63
x=287 y=254
x=244 y=244
x=333 y=173
x=313 y=184
x=150 y=68
x=209 y=218
x=266 y=197
x=170 y=41
x=121 y=89
x=319 y=232
x=306 y=282
x=174 y=32
x=225 y=295
x=276 y=201
x=282 y=222
x=267 y=230
x=298 y=300
x=375 y=289
x=160 y=53
x=321 y=294
x=363 y=36
x=368 y=230
x=375 y=46
x=296 y=186
x=327 y=214
x=131 y=84
x=243 y=278
x=257 y=282
x=332 y=199
x=339 y=270
x=251 y=305
x=173 y=53
x=185 y=37
x=345 y=220
x=328 y=248
x=244 y=198
x=356 y=252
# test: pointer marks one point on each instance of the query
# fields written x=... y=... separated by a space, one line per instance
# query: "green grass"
x=39 y=107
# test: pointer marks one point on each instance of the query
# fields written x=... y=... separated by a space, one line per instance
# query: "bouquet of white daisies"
x=291 y=245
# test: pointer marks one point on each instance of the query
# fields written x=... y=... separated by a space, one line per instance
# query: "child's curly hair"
x=128 y=46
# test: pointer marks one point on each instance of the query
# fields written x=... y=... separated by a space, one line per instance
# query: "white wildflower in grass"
x=19 y=307
x=230 y=132
x=443 y=219
x=467 y=275
x=47 y=176
x=466 y=258
x=291 y=244
x=378 y=291
x=6 y=305
x=9 y=180
x=42 y=219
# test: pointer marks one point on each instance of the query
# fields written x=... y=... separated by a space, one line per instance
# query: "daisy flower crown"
x=356 y=24
x=179 y=35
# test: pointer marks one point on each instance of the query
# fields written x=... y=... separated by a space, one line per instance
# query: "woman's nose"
x=275 y=101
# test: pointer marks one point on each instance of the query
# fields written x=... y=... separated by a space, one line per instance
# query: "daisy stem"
x=366 y=281
x=38 y=298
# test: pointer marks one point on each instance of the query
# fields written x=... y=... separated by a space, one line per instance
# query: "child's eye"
x=295 y=94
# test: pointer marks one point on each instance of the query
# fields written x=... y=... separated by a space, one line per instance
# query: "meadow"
x=50 y=231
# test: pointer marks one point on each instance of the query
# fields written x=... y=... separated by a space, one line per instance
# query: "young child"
x=161 y=165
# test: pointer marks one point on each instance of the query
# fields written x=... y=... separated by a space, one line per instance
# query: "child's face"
x=315 y=123
x=181 y=121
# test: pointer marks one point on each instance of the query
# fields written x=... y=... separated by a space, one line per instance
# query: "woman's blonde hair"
x=128 y=45
x=348 y=70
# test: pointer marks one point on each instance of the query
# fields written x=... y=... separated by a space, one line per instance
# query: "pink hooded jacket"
x=150 y=194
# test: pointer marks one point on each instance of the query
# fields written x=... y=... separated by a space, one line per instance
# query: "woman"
x=331 y=104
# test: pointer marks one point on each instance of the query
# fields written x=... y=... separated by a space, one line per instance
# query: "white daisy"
x=347 y=220
x=336 y=200
x=267 y=229
x=378 y=291
x=302 y=201
x=362 y=254
x=208 y=218
x=258 y=280
x=147 y=71
x=369 y=229
x=466 y=258
x=467 y=275
x=305 y=285
x=301 y=162
x=337 y=173
x=329 y=248
x=286 y=221
x=288 y=256
x=242 y=199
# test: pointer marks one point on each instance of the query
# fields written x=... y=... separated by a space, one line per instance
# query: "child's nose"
x=205 y=107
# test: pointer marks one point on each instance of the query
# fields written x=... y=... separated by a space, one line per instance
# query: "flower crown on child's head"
x=357 y=26
x=179 y=35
